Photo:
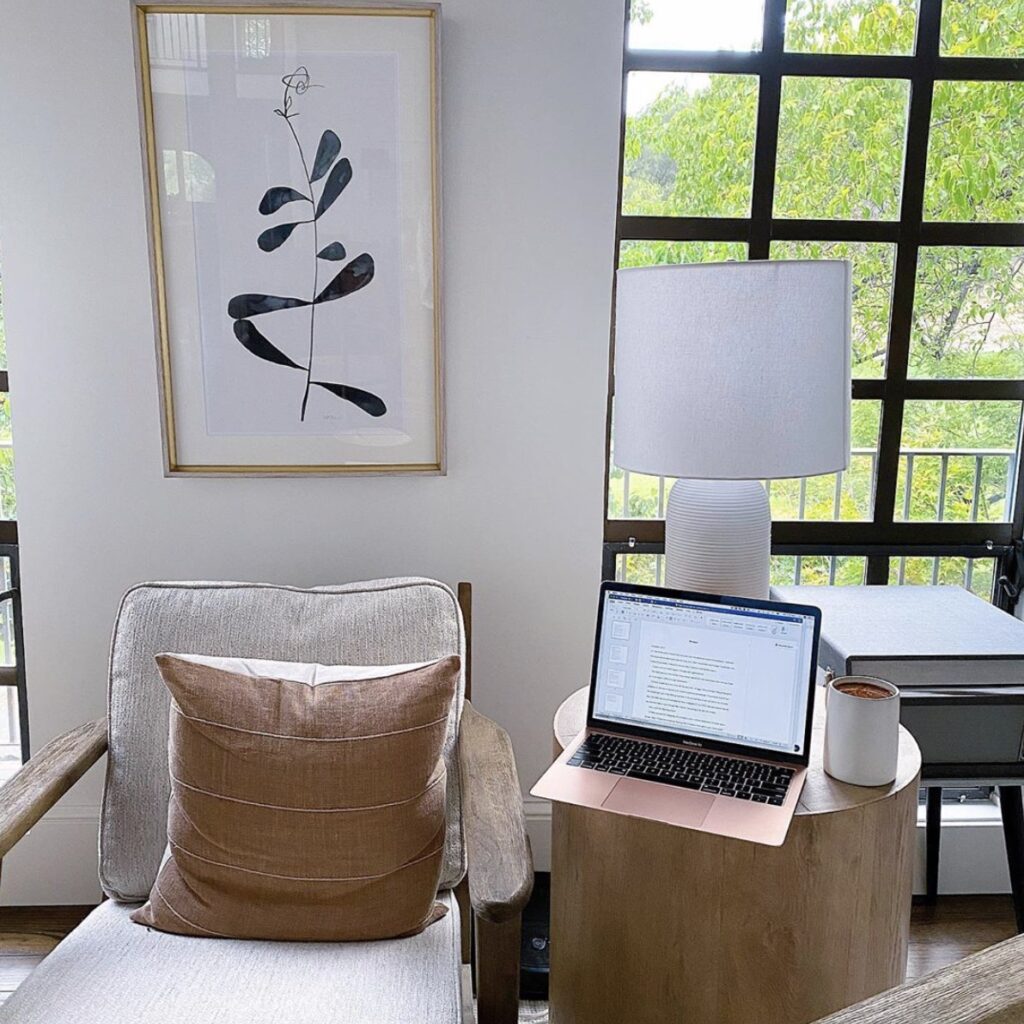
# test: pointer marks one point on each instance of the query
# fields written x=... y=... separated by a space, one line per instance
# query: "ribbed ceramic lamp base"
x=718 y=536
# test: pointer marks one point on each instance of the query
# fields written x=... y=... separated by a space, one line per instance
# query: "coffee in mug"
x=862 y=688
x=862 y=726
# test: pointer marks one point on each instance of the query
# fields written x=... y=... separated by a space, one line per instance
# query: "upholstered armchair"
x=110 y=970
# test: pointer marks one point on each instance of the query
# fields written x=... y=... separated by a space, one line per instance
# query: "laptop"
x=700 y=712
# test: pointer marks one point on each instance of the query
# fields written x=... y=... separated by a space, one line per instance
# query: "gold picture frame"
x=178 y=462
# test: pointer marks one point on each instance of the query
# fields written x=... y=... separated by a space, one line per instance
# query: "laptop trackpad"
x=672 y=804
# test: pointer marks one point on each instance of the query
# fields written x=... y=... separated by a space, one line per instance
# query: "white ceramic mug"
x=862 y=734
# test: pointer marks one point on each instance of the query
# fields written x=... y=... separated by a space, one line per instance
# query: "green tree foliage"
x=851 y=26
x=689 y=152
x=3 y=335
x=640 y=12
x=982 y=28
x=975 y=171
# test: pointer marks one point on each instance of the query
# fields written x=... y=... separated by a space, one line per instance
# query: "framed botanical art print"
x=292 y=166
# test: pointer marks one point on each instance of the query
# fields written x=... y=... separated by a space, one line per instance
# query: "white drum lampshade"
x=732 y=372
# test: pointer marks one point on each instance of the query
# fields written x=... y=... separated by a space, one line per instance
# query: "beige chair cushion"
x=381 y=622
x=305 y=806
x=110 y=971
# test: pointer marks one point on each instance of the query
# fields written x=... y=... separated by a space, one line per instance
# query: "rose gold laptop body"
x=728 y=816
x=658 y=801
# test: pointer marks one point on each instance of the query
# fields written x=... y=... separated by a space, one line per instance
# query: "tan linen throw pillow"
x=303 y=812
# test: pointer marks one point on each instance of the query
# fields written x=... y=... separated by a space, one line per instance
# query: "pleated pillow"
x=305 y=804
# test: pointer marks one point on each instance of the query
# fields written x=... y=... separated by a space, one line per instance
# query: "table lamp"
x=727 y=374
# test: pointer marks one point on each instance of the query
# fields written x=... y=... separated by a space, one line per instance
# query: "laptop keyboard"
x=689 y=769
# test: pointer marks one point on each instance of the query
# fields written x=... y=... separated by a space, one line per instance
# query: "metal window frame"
x=883 y=536
x=9 y=550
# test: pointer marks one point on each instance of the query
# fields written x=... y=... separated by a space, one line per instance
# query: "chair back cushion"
x=383 y=622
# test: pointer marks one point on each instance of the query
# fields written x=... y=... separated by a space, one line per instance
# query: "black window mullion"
x=1017 y=515
x=876 y=572
x=911 y=207
x=767 y=138
x=710 y=62
x=731 y=229
x=972 y=233
x=684 y=229
x=825 y=65
x=609 y=404
x=868 y=387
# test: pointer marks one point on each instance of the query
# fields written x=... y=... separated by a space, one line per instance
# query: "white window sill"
x=981 y=812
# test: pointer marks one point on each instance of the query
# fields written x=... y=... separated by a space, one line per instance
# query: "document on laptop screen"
x=740 y=675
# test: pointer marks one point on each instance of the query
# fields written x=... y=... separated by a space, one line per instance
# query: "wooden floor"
x=954 y=928
x=27 y=934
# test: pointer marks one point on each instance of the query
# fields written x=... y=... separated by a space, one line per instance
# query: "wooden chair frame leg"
x=933 y=839
x=1012 y=810
x=465 y=919
x=497 y=970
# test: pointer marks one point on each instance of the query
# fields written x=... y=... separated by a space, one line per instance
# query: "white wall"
x=530 y=131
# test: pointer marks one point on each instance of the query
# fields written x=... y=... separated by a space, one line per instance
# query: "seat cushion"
x=303 y=811
x=111 y=971
x=384 y=622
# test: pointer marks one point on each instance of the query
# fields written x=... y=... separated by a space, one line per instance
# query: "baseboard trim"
x=73 y=812
x=57 y=862
x=538 y=828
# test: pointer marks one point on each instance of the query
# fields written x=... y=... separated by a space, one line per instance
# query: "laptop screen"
x=729 y=673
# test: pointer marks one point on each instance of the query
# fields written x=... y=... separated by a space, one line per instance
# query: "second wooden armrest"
x=985 y=988
x=497 y=848
x=47 y=776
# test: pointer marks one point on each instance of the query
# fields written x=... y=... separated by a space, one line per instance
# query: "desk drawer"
x=966 y=731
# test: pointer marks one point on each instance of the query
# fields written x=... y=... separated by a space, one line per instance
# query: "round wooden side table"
x=652 y=923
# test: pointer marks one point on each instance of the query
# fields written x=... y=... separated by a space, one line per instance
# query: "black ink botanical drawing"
x=356 y=274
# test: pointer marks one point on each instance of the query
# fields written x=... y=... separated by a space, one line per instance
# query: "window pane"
x=696 y=24
x=8 y=507
x=982 y=28
x=851 y=26
x=836 y=496
x=10 y=734
x=958 y=461
x=976 y=574
x=648 y=254
x=649 y=569
x=689 y=147
x=817 y=570
x=968 y=313
x=975 y=171
x=840 y=152
x=873 y=264
x=634 y=495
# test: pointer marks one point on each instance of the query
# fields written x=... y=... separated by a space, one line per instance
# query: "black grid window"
x=801 y=151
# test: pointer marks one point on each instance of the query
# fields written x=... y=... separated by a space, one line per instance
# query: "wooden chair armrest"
x=40 y=783
x=986 y=988
x=497 y=848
